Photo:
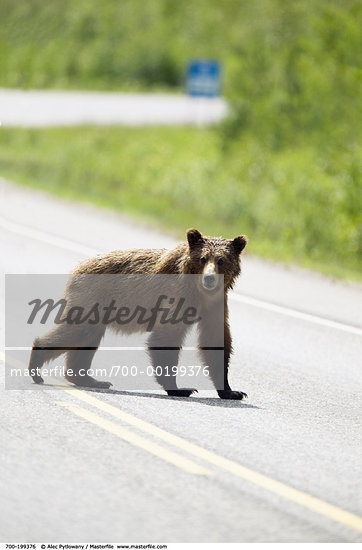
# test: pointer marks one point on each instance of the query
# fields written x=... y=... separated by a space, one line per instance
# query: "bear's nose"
x=209 y=279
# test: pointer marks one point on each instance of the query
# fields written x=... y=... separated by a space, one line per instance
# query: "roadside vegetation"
x=178 y=178
x=284 y=168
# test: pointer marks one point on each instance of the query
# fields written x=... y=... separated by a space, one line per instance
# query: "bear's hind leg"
x=78 y=362
x=45 y=349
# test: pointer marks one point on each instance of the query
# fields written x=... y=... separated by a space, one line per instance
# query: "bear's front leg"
x=163 y=359
x=219 y=376
x=230 y=394
x=212 y=358
x=227 y=392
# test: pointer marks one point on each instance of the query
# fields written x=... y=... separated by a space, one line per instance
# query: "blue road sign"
x=203 y=77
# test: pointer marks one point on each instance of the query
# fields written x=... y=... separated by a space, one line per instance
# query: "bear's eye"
x=203 y=261
x=220 y=261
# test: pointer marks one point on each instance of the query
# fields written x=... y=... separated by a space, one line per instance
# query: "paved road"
x=104 y=466
x=35 y=108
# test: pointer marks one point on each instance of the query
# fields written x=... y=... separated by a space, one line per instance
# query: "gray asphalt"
x=65 y=479
x=39 y=108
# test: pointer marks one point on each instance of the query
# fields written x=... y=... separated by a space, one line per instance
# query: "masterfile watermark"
x=171 y=311
x=132 y=332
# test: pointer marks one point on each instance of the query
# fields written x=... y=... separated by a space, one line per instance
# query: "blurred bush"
x=285 y=165
x=296 y=204
x=289 y=67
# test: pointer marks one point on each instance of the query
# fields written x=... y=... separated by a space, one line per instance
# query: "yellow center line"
x=278 y=488
x=176 y=459
x=294 y=495
x=138 y=441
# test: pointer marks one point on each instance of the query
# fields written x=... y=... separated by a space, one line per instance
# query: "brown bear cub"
x=205 y=257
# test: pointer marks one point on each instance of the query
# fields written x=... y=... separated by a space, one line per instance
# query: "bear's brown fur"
x=203 y=256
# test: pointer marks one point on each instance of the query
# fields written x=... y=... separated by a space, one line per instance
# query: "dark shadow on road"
x=208 y=401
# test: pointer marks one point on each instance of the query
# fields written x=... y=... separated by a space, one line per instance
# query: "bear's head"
x=212 y=256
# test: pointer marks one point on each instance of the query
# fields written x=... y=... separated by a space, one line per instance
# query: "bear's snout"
x=209 y=281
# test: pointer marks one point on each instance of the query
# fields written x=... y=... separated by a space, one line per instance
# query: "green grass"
x=301 y=204
x=288 y=66
x=285 y=168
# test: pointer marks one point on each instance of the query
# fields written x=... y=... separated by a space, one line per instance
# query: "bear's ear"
x=194 y=237
x=239 y=243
